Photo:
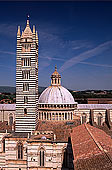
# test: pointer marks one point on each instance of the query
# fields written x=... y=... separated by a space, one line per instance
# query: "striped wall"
x=27 y=122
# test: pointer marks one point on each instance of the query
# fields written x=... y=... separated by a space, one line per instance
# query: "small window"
x=25 y=99
x=3 y=143
x=68 y=116
x=39 y=115
x=11 y=119
x=25 y=86
x=83 y=118
x=42 y=157
x=71 y=115
x=59 y=116
x=56 y=116
x=25 y=111
x=65 y=116
x=20 y=151
x=99 y=121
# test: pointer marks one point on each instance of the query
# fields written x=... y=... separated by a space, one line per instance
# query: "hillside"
x=8 y=89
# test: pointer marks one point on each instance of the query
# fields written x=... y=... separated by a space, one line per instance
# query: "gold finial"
x=55 y=67
x=33 y=28
x=18 y=33
x=28 y=20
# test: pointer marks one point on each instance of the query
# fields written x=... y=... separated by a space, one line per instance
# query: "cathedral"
x=53 y=132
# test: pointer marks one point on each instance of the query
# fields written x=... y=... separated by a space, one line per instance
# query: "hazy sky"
x=77 y=36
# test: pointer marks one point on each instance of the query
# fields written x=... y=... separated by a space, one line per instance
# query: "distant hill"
x=8 y=89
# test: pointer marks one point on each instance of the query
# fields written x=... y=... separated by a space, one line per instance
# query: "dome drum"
x=56 y=102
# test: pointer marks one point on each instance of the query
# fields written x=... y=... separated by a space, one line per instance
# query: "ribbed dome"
x=56 y=95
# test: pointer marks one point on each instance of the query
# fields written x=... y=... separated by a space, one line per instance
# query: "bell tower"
x=26 y=79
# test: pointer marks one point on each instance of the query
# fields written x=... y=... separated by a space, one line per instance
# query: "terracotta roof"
x=4 y=126
x=62 y=129
x=92 y=148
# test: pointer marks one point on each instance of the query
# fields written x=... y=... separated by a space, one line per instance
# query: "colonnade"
x=56 y=116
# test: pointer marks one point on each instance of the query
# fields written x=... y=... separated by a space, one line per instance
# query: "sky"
x=75 y=36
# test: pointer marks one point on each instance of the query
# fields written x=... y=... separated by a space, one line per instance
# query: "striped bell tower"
x=26 y=79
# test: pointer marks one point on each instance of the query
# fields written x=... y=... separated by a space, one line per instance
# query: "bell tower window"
x=26 y=47
x=26 y=61
x=26 y=74
x=25 y=86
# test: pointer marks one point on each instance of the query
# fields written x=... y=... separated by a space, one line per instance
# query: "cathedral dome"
x=56 y=94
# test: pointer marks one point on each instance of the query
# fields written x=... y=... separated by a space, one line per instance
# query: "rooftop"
x=62 y=129
x=92 y=148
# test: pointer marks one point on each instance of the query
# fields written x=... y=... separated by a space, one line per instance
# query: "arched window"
x=53 y=116
x=71 y=116
x=47 y=116
x=50 y=116
x=44 y=116
x=65 y=116
x=55 y=81
x=25 y=99
x=59 y=116
x=62 y=116
x=99 y=119
x=42 y=157
x=83 y=118
x=25 y=111
x=10 y=119
x=3 y=145
x=20 y=151
x=58 y=81
x=68 y=116
x=56 y=116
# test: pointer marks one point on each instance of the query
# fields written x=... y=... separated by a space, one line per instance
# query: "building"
x=99 y=100
x=48 y=135
x=56 y=102
x=26 y=79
